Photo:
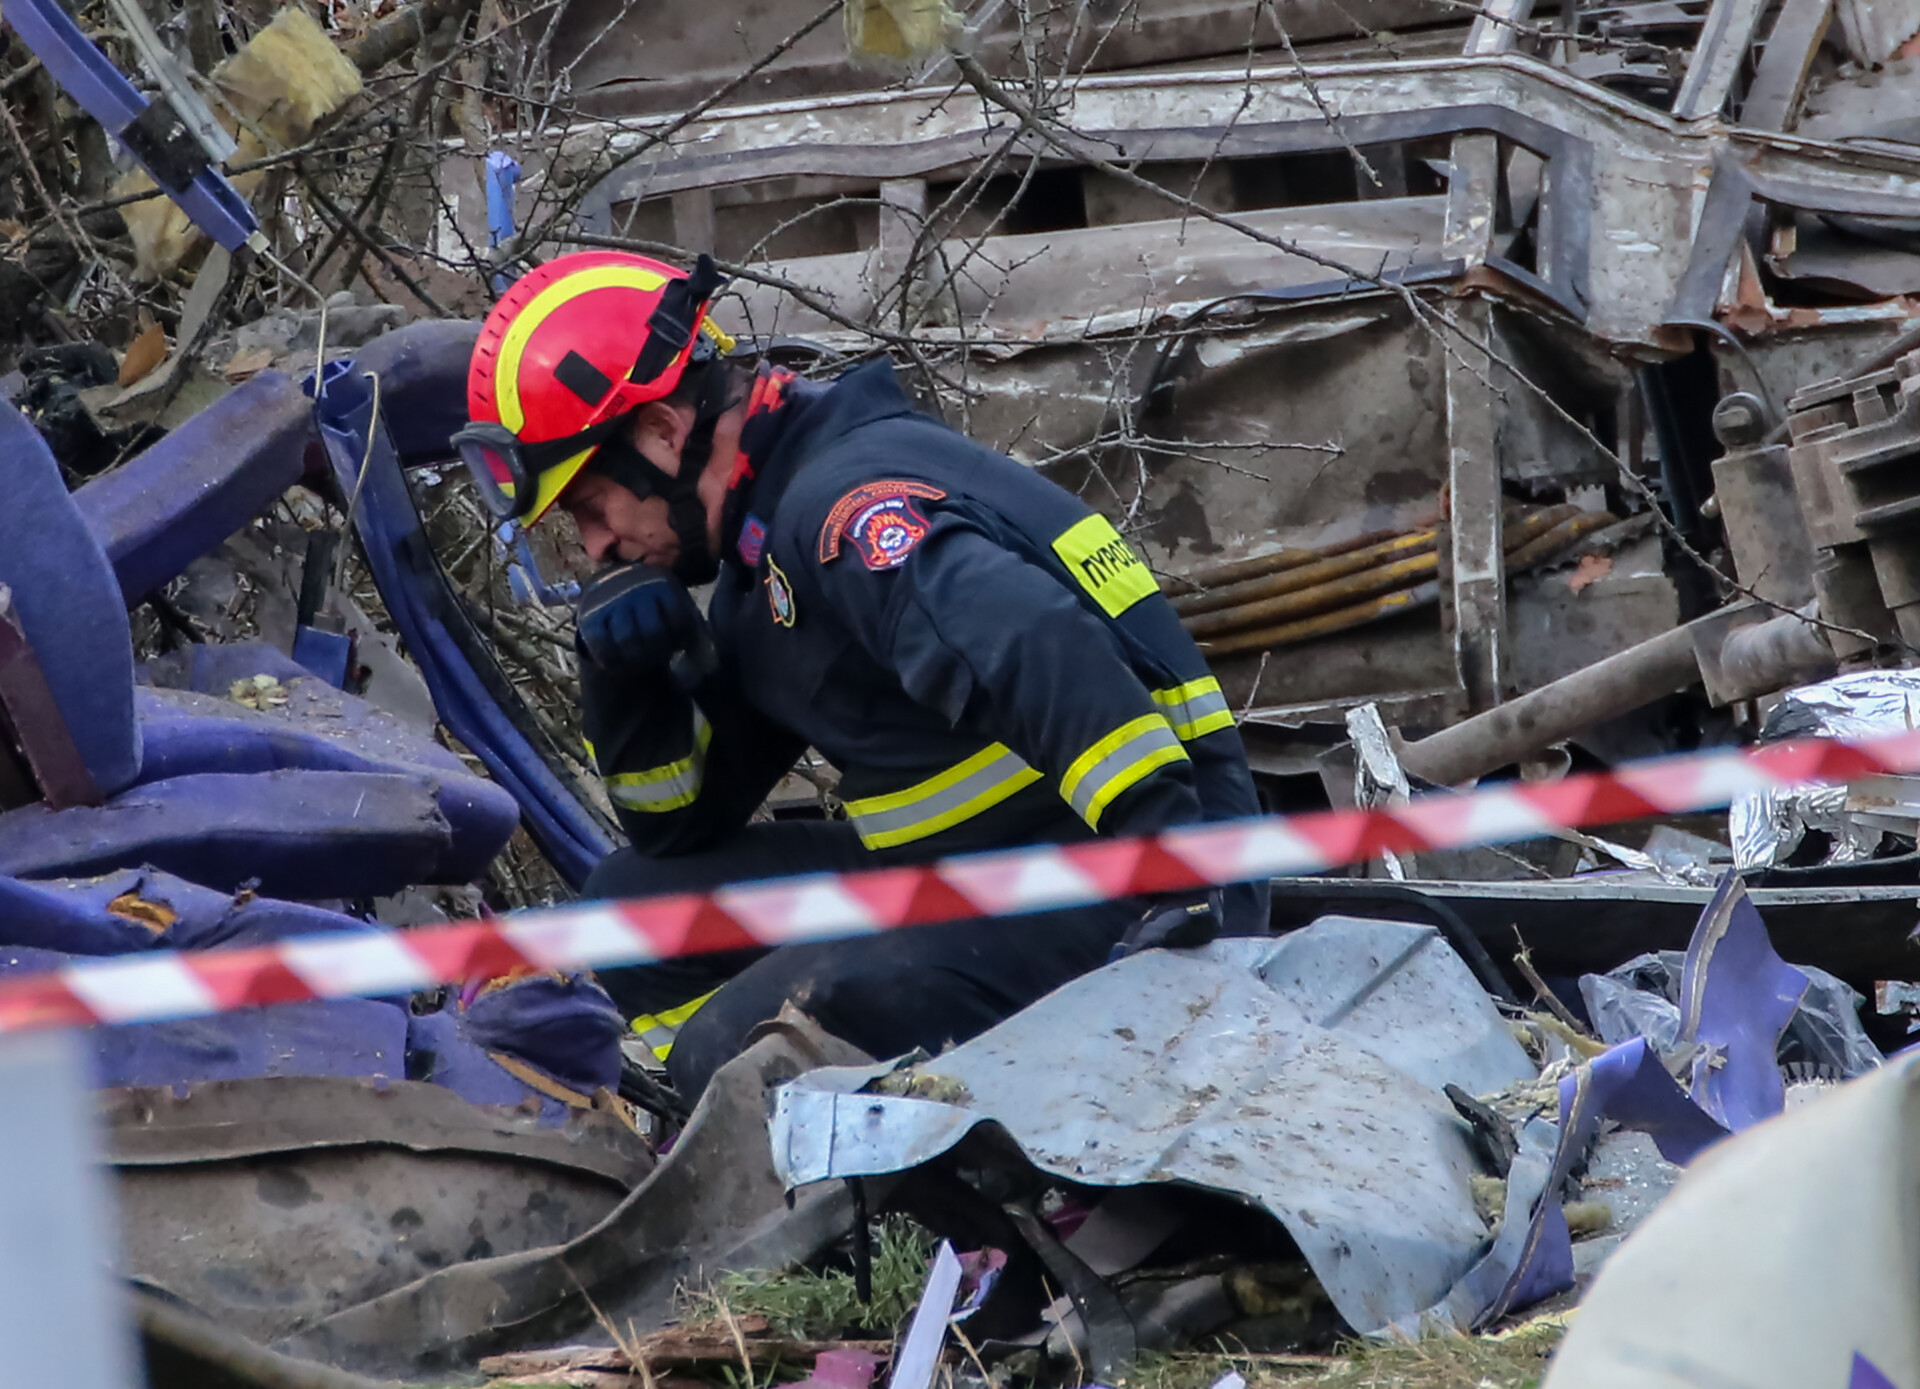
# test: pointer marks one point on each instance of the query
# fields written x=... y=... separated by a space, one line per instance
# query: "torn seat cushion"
x=136 y=909
x=342 y=1037
x=322 y=729
x=69 y=605
x=179 y=498
x=304 y=835
x=439 y=1051
x=563 y=1024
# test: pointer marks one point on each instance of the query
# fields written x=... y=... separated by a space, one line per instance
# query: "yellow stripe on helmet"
x=513 y=346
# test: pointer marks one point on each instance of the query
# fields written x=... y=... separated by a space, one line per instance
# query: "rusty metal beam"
x=30 y=718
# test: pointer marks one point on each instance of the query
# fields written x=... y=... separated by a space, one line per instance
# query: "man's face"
x=615 y=525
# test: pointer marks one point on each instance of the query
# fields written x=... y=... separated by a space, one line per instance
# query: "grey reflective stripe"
x=658 y=1038
x=1197 y=715
x=940 y=802
x=670 y=787
x=1149 y=743
x=679 y=787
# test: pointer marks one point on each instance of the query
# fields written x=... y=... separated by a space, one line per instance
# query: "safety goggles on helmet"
x=506 y=472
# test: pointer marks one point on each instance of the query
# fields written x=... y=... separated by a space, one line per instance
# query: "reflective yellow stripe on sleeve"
x=1117 y=762
x=1195 y=709
x=660 y=1030
x=941 y=801
x=671 y=787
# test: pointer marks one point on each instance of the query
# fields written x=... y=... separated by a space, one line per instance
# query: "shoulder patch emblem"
x=753 y=541
x=886 y=532
x=864 y=499
x=780 y=594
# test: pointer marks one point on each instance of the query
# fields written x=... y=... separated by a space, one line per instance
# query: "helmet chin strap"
x=619 y=461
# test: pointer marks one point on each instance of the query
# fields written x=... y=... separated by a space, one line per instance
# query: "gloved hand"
x=1174 y=920
x=637 y=616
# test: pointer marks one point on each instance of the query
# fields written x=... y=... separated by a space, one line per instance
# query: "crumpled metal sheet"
x=1300 y=1074
x=1768 y=826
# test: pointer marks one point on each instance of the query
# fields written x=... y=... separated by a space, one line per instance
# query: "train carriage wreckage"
x=1401 y=320
x=1492 y=389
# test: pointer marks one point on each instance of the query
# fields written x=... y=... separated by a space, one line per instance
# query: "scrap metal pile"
x=1496 y=390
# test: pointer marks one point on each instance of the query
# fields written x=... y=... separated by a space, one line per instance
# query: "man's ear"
x=660 y=432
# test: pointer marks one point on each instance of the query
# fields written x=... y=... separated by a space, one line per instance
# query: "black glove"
x=640 y=616
x=1175 y=921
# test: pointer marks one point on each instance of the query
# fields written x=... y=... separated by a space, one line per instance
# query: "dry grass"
x=1516 y=1359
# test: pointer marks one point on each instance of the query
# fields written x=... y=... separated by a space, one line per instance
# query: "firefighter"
x=985 y=660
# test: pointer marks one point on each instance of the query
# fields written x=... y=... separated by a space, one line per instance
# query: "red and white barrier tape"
x=176 y=984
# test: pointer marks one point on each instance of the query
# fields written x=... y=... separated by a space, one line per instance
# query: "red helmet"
x=569 y=351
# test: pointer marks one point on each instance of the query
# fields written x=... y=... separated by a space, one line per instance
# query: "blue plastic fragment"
x=1736 y=998
x=328 y=655
x=503 y=174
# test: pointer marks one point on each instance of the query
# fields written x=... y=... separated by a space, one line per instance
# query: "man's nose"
x=597 y=540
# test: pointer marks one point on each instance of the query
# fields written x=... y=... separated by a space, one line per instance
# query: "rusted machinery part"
x=1534 y=536
x=186 y=1350
x=1621 y=683
x=1203 y=581
x=1325 y=624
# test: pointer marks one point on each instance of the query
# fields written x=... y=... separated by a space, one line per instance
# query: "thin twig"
x=1523 y=961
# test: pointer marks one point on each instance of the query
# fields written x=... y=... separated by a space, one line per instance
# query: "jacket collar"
x=790 y=420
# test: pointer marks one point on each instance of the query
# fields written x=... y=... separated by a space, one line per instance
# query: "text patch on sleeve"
x=1104 y=564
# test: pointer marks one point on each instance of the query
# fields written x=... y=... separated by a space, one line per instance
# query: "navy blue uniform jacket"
x=983 y=658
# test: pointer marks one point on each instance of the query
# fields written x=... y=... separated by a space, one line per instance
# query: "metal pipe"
x=1320 y=571
x=1528 y=539
x=1768 y=656
x=1325 y=624
x=1618 y=685
x=1205 y=580
x=1399 y=574
x=1545 y=547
